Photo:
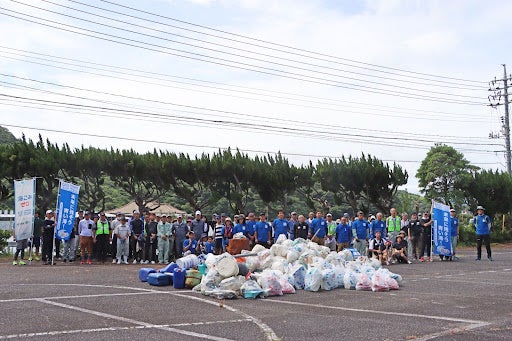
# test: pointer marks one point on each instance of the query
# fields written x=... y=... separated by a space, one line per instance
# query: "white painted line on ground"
x=108 y=329
x=451 y=331
x=370 y=311
x=73 y=296
x=270 y=335
x=131 y=321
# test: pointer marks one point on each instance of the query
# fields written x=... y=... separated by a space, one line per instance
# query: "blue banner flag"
x=66 y=208
x=24 y=198
x=441 y=229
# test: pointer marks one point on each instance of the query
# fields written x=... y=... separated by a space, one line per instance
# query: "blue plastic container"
x=144 y=272
x=179 y=278
x=169 y=268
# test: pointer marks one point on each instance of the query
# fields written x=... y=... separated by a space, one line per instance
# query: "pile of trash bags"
x=289 y=266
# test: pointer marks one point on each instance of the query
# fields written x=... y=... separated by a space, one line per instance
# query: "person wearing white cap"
x=482 y=224
x=454 y=225
x=48 y=235
x=198 y=226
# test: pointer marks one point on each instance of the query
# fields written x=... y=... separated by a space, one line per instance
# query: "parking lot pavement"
x=459 y=300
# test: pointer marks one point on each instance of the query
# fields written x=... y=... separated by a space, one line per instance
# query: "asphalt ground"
x=459 y=300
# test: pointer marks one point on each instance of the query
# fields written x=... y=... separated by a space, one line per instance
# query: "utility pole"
x=495 y=99
x=506 y=126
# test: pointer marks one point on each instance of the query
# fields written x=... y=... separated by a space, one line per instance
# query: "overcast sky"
x=318 y=78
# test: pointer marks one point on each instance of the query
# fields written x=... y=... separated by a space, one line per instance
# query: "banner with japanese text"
x=24 y=202
x=441 y=229
x=66 y=208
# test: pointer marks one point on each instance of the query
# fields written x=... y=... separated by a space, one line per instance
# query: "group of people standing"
x=137 y=238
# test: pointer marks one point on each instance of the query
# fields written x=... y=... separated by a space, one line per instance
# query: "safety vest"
x=103 y=228
x=393 y=224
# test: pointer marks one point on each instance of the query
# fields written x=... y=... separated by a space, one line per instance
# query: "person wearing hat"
x=292 y=222
x=48 y=235
x=426 y=223
x=482 y=224
x=399 y=248
x=136 y=237
x=122 y=232
x=360 y=231
x=190 y=244
x=198 y=226
x=240 y=225
x=343 y=234
x=227 y=232
x=330 y=241
x=164 y=234
x=250 y=225
x=263 y=232
x=102 y=236
x=113 y=246
x=85 y=228
x=180 y=231
x=454 y=227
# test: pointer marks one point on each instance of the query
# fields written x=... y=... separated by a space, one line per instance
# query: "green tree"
x=440 y=171
x=6 y=137
x=491 y=189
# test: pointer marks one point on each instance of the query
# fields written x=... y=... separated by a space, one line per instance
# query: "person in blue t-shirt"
x=378 y=225
x=209 y=245
x=482 y=224
x=291 y=225
x=250 y=224
x=190 y=244
x=454 y=224
x=360 y=231
x=280 y=226
x=240 y=226
x=343 y=234
x=318 y=229
x=263 y=232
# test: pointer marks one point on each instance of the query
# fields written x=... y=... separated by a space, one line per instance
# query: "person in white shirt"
x=122 y=232
x=85 y=227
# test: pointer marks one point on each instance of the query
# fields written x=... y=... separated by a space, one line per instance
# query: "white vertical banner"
x=24 y=205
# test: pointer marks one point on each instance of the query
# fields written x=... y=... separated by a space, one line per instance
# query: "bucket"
x=179 y=278
x=188 y=262
x=202 y=268
x=226 y=265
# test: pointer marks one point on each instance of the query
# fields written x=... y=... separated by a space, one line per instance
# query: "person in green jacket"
x=330 y=241
x=163 y=233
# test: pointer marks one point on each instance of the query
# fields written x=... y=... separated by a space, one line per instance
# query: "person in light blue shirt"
x=482 y=224
x=280 y=226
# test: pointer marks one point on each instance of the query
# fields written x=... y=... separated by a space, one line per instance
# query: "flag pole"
x=431 y=234
x=32 y=223
x=55 y=224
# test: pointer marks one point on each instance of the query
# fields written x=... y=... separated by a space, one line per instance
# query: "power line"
x=184 y=144
x=281 y=45
x=285 y=74
x=442 y=117
x=260 y=128
x=472 y=87
x=62 y=60
x=245 y=116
